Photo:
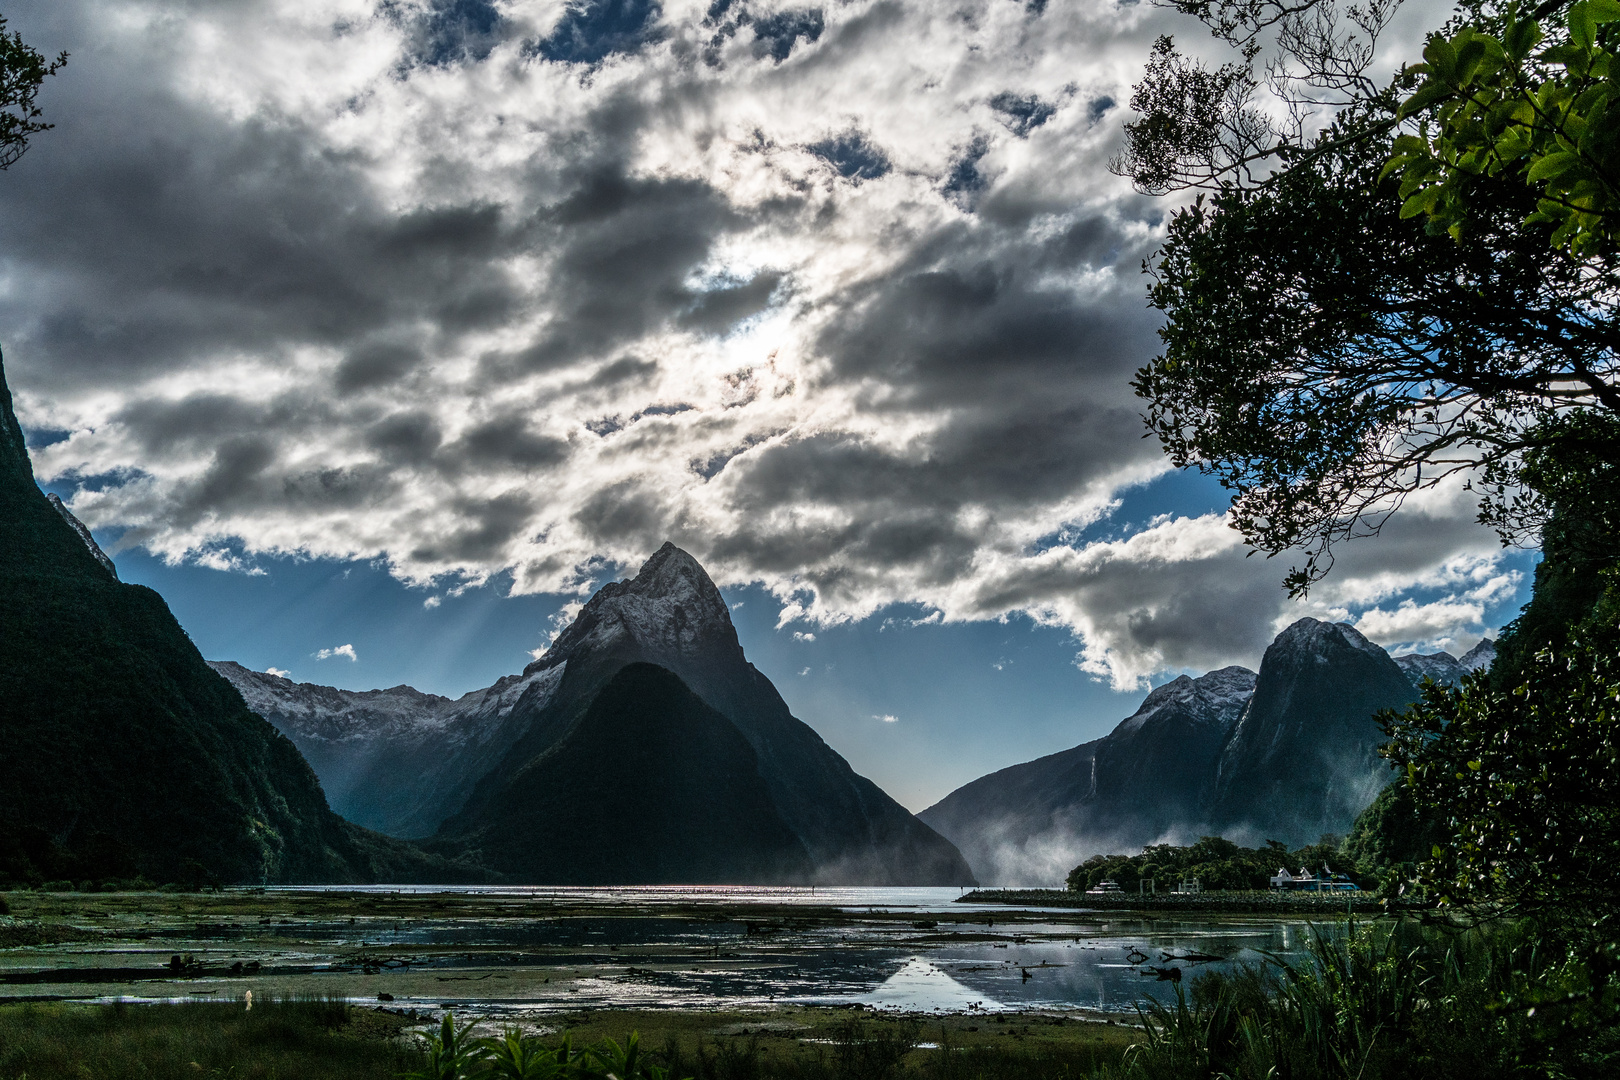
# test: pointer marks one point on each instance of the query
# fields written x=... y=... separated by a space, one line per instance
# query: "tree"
x=22 y=70
x=1331 y=347
x=1548 y=118
x=1424 y=287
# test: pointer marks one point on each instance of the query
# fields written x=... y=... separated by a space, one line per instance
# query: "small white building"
x=1305 y=881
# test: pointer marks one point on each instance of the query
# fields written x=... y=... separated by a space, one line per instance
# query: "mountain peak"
x=1479 y=657
x=671 y=608
x=1216 y=697
x=1313 y=636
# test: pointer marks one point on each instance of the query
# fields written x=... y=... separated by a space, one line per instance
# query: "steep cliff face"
x=652 y=786
x=1145 y=781
x=671 y=615
x=122 y=752
x=1287 y=754
x=1301 y=760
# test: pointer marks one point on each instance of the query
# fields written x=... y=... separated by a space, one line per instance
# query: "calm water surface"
x=912 y=949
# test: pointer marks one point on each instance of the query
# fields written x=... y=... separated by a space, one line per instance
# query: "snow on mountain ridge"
x=671 y=608
x=1215 y=697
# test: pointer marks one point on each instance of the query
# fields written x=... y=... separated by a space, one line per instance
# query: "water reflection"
x=921 y=987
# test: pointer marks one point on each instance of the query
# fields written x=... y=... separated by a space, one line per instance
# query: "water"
x=905 y=949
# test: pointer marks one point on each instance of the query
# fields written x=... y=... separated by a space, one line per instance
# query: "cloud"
x=886 y=718
x=341 y=650
x=843 y=299
x=803 y=636
x=432 y=602
x=278 y=672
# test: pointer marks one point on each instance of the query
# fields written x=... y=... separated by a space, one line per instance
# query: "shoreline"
x=1254 y=902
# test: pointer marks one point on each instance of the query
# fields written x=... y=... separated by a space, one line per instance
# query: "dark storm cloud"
x=624 y=247
x=718 y=309
x=473 y=286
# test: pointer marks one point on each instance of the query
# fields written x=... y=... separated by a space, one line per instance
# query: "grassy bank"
x=291 y=1040
x=313 y=1039
x=1233 y=902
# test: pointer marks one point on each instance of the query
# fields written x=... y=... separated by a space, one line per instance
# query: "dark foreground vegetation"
x=307 y=1039
x=292 y=1040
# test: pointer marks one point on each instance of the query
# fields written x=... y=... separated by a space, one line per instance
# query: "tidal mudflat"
x=532 y=953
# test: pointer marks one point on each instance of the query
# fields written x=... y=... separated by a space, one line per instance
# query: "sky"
x=376 y=334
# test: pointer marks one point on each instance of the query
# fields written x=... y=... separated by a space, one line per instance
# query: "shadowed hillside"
x=122 y=753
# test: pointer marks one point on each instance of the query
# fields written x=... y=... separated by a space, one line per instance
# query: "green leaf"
x=1552 y=165
x=1427 y=94
x=1582 y=25
x=1521 y=37
x=1604 y=11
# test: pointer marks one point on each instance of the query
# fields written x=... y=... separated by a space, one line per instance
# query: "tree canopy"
x=22 y=70
x=1358 y=314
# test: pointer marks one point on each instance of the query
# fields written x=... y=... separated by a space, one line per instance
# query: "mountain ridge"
x=123 y=752
x=670 y=615
x=1160 y=776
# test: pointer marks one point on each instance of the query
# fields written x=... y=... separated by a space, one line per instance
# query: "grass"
x=1399 y=1001
x=893 y=1050
x=287 y=1040
x=294 y=1040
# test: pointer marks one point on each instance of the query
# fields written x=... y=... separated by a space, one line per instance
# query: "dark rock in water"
x=410 y=763
x=121 y=752
x=652 y=786
x=1301 y=760
x=1144 y=781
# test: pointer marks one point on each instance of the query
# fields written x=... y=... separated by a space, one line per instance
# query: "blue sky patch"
x=592 y=31
x=1022 y=113
x=854 y=156
x=775 y=35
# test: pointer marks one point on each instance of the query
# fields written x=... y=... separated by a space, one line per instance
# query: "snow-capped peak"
x=1216 y=697
x=670 y=609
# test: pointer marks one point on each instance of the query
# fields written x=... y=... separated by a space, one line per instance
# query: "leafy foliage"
x=22 y=70
x=1325 y=357
x=1388 y=1001
x=1528 y=778
x=1520 y=102
x=1375 y=310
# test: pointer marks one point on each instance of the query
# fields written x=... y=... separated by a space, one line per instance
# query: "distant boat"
x=1106 y=888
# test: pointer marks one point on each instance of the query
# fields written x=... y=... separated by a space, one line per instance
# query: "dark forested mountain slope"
x=670 y=614
x=1145 y=780
x=1302 y=758
x=121 y=752
x=1287 y=754
x=652 y=786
